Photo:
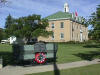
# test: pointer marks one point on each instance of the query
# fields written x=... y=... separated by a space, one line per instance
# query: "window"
x=52 y=36
x=52 y=25
x=62 y=35
x=62 y=25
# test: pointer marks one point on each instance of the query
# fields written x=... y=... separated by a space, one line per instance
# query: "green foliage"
x=9 y=25
x=85 y=22
x=9 y=21
x=2 y=34
x=95 y=22
x=27 y=27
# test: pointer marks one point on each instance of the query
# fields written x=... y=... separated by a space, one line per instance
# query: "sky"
x=19 y=8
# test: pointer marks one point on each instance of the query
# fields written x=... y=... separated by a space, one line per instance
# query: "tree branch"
x=3 y=2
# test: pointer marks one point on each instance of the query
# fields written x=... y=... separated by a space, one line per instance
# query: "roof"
x=59 y=15
x=64 y=15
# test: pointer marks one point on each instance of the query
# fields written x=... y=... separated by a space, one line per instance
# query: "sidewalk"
x=19 y=70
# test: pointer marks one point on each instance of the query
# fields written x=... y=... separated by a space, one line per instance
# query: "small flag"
x=76 y=14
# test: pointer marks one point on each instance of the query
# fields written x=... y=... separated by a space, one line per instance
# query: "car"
x=4 y=41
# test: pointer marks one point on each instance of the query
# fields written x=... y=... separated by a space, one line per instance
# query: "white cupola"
x=66 y=7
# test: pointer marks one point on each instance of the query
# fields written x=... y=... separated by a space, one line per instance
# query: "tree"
x=9 y=21
x=2 y=34
x=95 y=22
x=8 y=25
x=27 y=27
x=85 y=22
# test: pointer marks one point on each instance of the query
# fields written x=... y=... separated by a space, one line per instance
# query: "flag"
x=76 y=14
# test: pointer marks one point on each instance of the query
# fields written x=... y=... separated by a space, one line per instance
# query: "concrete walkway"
x=19 y=70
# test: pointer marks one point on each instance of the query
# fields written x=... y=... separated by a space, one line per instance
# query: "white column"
x=81 y=35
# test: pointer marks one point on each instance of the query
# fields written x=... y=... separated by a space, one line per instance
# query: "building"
x=66 y=27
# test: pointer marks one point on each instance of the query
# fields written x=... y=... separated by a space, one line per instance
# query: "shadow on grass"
x=56 y=69
x=91 y=46
x=7 y=58
x=89 y=55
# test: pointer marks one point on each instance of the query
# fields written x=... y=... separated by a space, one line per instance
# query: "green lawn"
x=87 y=70
x=66 y=53
x=76 y=52
x=6 y=53
x=5 y=48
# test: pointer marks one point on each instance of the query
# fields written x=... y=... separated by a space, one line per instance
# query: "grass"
x=76 y=52
x=66 y=53
x=5 y=48
x=6 y=53
x=87 y=70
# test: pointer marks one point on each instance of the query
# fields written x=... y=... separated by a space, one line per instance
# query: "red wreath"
x=40 y=58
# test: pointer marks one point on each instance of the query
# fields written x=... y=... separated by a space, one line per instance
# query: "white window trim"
x=52 y=25
x=63 y=25
x=52 y=37
x=60 y=36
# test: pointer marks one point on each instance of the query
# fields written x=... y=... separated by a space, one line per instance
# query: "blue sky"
x=18 y=8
